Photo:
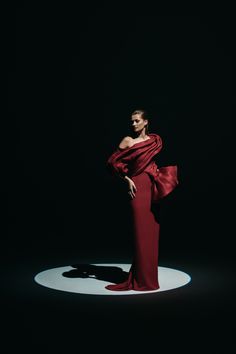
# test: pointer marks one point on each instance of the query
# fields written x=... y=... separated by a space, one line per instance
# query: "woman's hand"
x=131 y=186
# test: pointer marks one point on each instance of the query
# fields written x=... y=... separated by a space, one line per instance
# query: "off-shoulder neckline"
x=129 y=147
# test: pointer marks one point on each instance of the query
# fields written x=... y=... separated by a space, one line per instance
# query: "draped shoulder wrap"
x=139 y=158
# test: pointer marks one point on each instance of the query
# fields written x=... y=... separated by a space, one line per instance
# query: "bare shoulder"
x=126 y=142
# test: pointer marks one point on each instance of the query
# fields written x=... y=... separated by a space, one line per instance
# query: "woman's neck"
x=142 y=135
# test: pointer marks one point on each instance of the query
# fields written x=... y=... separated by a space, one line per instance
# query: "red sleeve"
x=115 y=165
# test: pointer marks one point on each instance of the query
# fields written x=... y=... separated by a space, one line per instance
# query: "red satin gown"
x=152 y=184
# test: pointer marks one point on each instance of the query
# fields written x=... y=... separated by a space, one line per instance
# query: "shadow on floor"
x=110 y=274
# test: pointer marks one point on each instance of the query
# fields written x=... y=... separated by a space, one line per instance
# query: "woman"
x=133 y=161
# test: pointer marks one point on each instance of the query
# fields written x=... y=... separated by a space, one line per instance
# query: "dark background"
x=74 y=80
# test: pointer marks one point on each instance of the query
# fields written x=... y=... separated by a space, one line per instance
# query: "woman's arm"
x=127 y=178
x=131 y=186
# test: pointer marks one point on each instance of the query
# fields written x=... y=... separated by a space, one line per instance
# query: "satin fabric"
x=143 y=273
x=152 y=184
x=139 y=158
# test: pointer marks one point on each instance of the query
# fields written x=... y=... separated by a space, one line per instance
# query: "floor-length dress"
x=143 y=273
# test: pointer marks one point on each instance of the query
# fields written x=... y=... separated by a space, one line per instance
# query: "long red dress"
x=152 y=183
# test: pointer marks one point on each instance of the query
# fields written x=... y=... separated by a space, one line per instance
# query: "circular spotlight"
x=92 y=279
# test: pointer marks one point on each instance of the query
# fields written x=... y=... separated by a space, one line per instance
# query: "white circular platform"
x=89 y=279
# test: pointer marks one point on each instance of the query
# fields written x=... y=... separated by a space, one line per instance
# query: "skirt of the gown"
x=143 y=273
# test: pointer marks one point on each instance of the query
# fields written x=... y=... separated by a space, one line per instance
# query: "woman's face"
x=138 y=123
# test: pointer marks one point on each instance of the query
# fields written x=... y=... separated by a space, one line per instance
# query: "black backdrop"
x=73 y=82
